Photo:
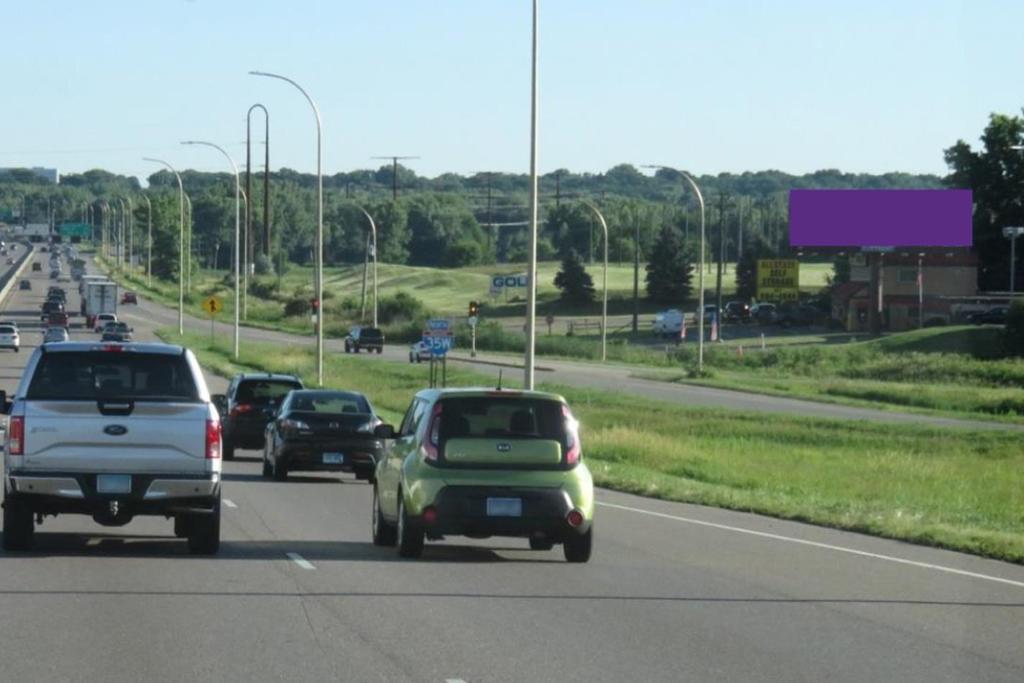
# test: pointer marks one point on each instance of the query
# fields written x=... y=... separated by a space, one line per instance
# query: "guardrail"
x=8 y=281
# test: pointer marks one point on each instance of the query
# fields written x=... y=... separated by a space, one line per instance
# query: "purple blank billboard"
x=880 y=218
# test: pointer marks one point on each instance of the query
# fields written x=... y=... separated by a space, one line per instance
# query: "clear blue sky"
x=708 y=85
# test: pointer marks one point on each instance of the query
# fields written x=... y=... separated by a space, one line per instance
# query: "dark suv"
x=368 y=338
x=249 y=404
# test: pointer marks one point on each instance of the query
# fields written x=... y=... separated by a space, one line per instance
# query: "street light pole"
x=373 y=233
x=700 y=304
x=238 y=192
x=149 y=241
x=188 y=244
x=319 y=286
x=920 y=291
x=181 y=243
x=604 y=302
x=245 y=257
x=1012 y=233
x=531 y=272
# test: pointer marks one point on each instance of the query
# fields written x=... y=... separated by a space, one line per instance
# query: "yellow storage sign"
x=778 y=280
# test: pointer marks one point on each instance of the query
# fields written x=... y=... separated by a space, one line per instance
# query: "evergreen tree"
x=574 y=281
x=670 y=269
x=746 y=268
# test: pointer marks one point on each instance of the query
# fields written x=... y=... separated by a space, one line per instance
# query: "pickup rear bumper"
x=150 y=494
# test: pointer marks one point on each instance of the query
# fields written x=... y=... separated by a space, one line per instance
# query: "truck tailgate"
x=74 y=436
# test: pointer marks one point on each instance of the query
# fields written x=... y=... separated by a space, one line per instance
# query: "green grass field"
x=953 y=488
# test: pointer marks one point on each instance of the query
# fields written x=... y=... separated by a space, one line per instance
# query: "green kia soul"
x=479 y=463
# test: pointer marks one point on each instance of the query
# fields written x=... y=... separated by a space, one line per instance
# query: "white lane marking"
x=299 y=560
x=827 y=546
x=454 y=680
x=229 y=503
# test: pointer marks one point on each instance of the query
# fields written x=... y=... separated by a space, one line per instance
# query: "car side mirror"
x=384 y=431
x=5 y=405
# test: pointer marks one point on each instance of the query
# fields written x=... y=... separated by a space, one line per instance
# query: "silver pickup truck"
x=112 y=431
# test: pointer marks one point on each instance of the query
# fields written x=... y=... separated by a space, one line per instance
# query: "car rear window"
x=330 y=403
x=370 y=333
x=6 y=329
x=106 y=374
x=264 y=390
x=502 y=418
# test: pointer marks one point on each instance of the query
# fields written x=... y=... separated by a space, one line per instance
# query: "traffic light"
x=474 y=308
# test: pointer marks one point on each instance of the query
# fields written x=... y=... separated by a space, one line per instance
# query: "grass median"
x=953 y=488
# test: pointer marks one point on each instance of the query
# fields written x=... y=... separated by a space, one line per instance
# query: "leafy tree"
x=746 y=268
x=574 y=281
x=996 y=175
x=1013 y=334
x=670 y=269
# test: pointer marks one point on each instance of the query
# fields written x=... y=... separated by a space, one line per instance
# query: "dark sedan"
x=322 y=431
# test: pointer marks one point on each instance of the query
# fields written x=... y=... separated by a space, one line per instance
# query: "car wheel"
x=19 y=528
x=204 y=532
x=228 y=450
x=355 y=349
x=410 y=536
x=380 y=350
x=410 y=358
x=383 y=531
x=577 y=547
x=181 y=526
x=280 y=470
x=537 y=543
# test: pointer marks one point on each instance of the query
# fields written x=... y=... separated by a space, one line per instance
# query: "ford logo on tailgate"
x=504 y=447
x=115 y=430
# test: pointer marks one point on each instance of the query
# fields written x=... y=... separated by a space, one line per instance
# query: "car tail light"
x=572 y=428
x=213 y=440
x=574 y=518
x=429 y=514
x=16 y=436
x=433 y=442
x=242 y=409
x=294 y=425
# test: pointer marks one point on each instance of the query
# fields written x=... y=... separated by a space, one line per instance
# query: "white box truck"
x=99 y=297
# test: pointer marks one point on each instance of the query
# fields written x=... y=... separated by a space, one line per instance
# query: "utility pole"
x=558 y=189
x=721 y=257
x=394 y=173
x=636 y=268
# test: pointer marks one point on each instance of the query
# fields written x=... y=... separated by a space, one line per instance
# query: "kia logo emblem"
x=504 y=447
x=115 y=430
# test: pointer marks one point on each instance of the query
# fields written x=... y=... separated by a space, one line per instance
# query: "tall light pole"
x=181 y=243
x=149 y=241
x=120 y=235
x=373 y=232
x=248 y=179
x=188 y=244
x=245 y=257
x=604 y=302
x=319 y=266
x=238 y=210
x=920 y=290
x=531 y=269
x=700 y=304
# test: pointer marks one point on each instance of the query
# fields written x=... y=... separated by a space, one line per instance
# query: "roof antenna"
x=499 y=380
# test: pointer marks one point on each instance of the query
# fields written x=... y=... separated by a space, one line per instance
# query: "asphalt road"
x=587 y=375
x=673 y=593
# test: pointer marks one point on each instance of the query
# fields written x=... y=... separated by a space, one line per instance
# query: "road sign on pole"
x=212 y=305
x=438 y=336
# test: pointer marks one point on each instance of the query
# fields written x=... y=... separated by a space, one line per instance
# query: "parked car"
x=102 y=319
x=763 y=314
x=710 y=311
x=668 y=323
x=369 y=338
x=993 y=316
x=57 y=320
x=113 y=433
x=25 y=285
x=795 y=315
x=322 y=431
x=419 y=352
x=129 y=298
x=736 y=312
x=478 y=462
x=55 y=334
x=250 y=403
x=9 y=338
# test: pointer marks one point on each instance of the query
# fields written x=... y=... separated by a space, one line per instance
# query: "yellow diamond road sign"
x=213 y=305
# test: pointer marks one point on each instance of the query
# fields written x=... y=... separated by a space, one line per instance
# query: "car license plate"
x=114 y=483
x=334 y=458
x=504 y=507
